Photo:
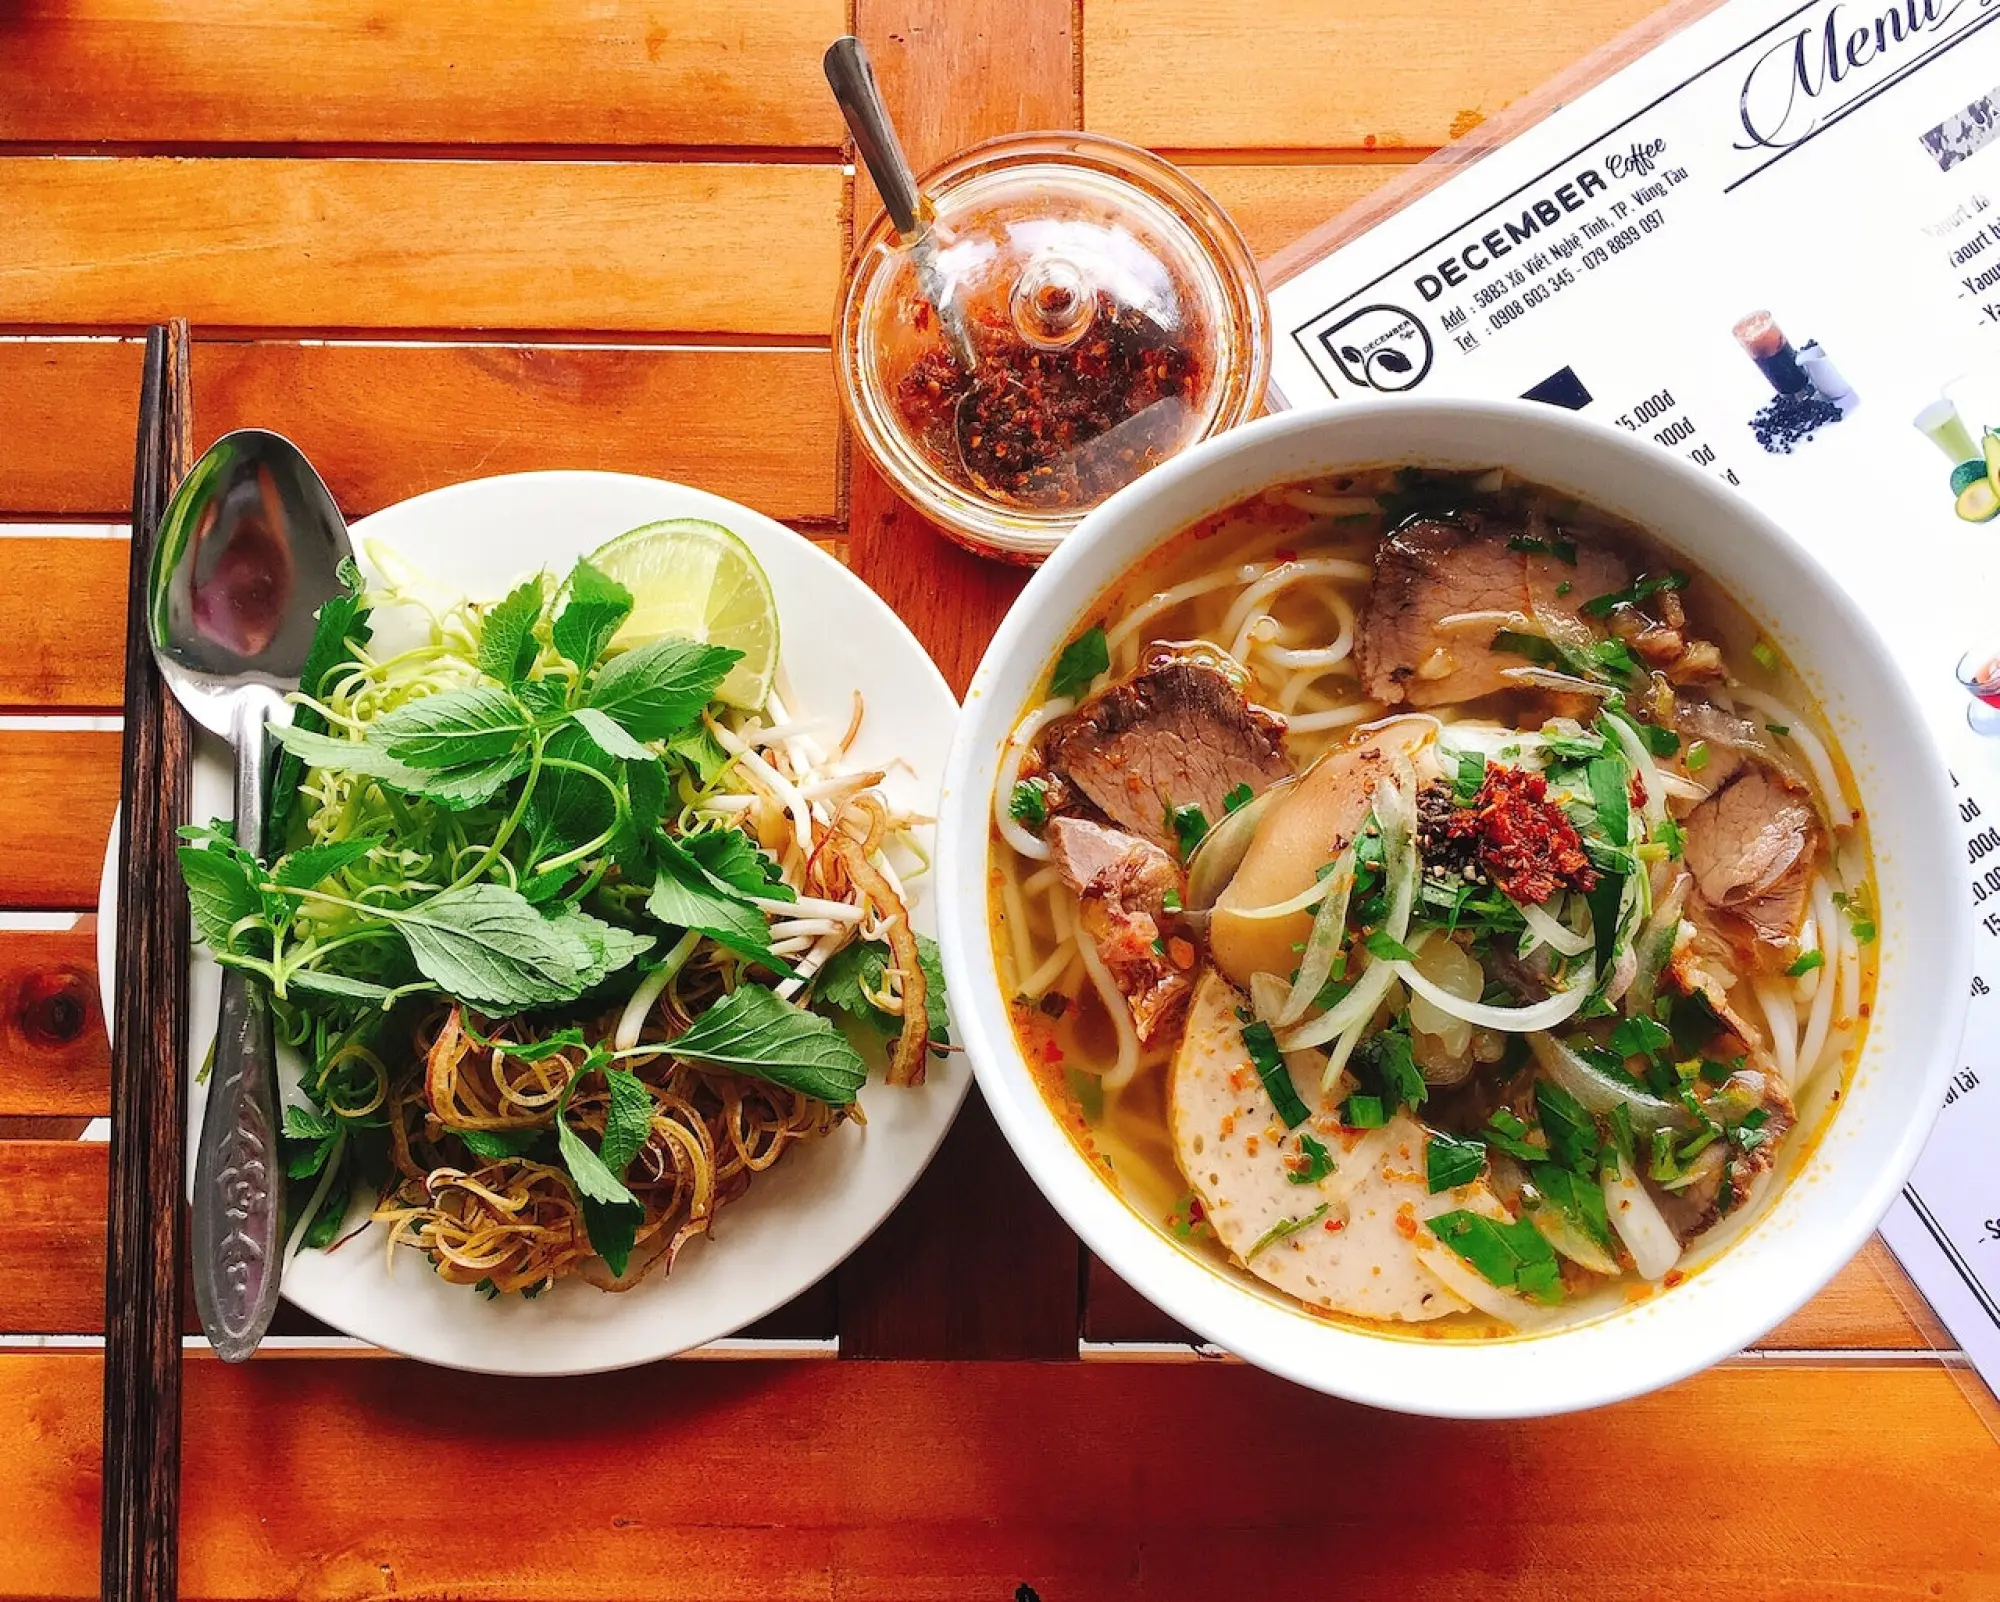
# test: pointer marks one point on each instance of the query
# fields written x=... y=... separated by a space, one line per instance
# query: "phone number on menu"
x=1596 y=256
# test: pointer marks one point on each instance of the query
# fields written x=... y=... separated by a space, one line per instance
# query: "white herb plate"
x=797 y=1222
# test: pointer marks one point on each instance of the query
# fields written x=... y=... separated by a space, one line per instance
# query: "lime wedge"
x=694 y=578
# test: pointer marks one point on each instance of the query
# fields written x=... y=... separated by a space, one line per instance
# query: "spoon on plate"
x=250 y=548
x=852 y=80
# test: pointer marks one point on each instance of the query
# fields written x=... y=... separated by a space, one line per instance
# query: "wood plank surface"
x=1275 y=202
x=975 y=1261
x=54 y=1057
x=966 y=1481
x=733 y=248
x=386 y=421
x=537 y=72
x=55 y=815
x=1292 y=74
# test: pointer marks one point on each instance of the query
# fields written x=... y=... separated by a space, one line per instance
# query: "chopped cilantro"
x=1241 y=796
x=1387 y=947
x=1082 y=660
x=1640 y=1036
x=1697 y=756
x=1029 y=805
x=1646 y=586
x=1506 y=1130
x=1190 y=826
x=1319 y=1162
x=1510 y=1254
x=1860 y=915
x=1450 y=1162
x=1671 y=835
x=1572 y=1133
x=1285 y=1227
x=1564 y=588
x=1170 y=901
x=1471 y=775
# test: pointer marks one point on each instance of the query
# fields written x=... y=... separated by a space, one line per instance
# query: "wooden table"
x=431 y=242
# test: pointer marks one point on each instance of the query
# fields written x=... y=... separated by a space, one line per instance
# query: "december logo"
x=1379 y=347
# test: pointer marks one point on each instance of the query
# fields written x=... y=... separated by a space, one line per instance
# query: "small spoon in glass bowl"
x=250 y=548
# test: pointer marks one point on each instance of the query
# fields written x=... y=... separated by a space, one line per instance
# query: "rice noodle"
x=1820 y=1021
x=1338 y=718
x=1251 y=601
x=1010 y=776
x=1324 y=656
x=1781 y=1017
x=1801 y=734
x=1126 y=1068
x=1129 y=625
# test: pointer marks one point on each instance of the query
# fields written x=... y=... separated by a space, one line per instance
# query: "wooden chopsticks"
x=143 y=1246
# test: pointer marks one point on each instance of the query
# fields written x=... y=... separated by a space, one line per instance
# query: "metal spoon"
x=250 y=548
x=852 y=80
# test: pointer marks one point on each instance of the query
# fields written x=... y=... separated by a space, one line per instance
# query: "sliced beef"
x=1177 y=733
x=1725 y=1172
x=1424 y=572
x=1753 y=847
x=1431 y=570
x=1122 y=884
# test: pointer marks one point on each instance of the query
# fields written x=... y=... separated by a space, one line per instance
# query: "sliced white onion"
x=1566 y=1238
x=1311 y=896
x=1636 y=1217
x=1329 y=930
x=1553 y=933
x=1395 y=813
x=1655 y=810
x=1540 y=1015
x=1549 y=679
x=1600 y=1093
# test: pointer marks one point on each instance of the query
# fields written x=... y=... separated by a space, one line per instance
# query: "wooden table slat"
x=54 y=1057
x=383 y=422
x=975 y=1262
x=538 y=72
x=55 y=815
x=1305 y=74
x=728 y=248
x=963 y=1481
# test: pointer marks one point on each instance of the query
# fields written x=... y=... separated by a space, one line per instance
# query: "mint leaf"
x=628 y=1123
x=507 y=643
x=339 y=624
x=754 y=1032
x=485 y=944
x=610 y=738
x=496 y=1145
x=337 y=986
x=595 y=608
x=730 y=856
x=302 y=869
x=452 y=729
x=656 y=691
x=686 y=896
x=221 y=892
x=932 y=962
x=308 y=1123
x=1082 y=660
x=850 y=977
x=457 y=788
x=309 y=1135
x=700 y=753
x=611 y=945
x=567 y=808
x=612 y=1230
x=594 y=1180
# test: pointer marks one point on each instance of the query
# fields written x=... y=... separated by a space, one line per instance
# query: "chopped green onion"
x=1363 y=1112
x=1697 y=756
x=1805 y=963
x=1270 y=1065
x=1241 y=796
x=1285 y=1227
x=1766 y=654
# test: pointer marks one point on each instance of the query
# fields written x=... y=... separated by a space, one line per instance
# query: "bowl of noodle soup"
x=1432 y=887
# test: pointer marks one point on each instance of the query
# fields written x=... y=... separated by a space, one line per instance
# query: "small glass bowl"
x=1115 y=313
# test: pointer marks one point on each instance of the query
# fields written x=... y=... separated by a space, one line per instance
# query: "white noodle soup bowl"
x=1839 y=1186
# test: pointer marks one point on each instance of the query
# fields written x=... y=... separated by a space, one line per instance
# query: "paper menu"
x=1772 y=244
